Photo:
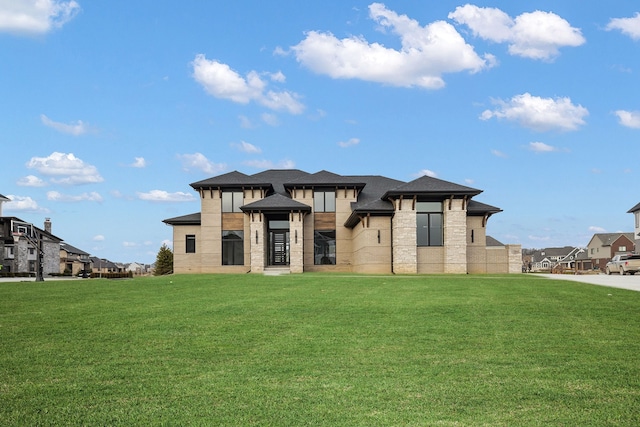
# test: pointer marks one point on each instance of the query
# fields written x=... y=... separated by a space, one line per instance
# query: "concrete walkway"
x=613 y=281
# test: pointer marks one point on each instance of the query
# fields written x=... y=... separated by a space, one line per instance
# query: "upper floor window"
x=429 y=223
x=324 y=201
x=622 y=249
x=232 y=200
x=190 y=243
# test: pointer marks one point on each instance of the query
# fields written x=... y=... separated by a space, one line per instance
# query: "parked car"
x=623 y=264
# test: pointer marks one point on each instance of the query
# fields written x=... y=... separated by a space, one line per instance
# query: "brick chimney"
x=47 y=225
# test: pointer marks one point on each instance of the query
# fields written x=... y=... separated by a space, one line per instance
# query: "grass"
x=295 y=350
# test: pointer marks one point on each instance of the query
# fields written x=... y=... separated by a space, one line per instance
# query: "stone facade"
x=373 y=221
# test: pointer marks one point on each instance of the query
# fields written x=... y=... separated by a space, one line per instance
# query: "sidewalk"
x=613 y=281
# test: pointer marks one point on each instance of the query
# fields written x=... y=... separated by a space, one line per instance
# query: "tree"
x=164 y=261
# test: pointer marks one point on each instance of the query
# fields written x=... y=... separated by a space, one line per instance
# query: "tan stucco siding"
x=182 y=261
x=455 y=236
x=405 y=257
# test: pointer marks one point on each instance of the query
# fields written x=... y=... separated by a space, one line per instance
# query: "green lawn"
x=315 y=349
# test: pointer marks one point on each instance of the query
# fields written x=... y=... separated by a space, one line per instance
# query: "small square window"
x=190 y=243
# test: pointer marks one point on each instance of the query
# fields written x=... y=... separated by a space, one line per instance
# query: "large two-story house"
x=303 y=222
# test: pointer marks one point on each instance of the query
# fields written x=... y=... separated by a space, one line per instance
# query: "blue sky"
x=109 y=110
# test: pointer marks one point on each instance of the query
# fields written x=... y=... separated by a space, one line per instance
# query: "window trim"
x=190 y=243
x=320 y=201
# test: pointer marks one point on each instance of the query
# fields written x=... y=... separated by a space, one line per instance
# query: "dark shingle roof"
x=72 y=249
x=230 y=180
x=191 y=219
x=427 y=185
x=493 y=242
x=276 y=202
x=325 y=179
x=635 y=208
x=477 y=208
x=278 y=177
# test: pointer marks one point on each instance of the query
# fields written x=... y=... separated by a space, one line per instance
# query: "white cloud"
x=596 y=229
x=245 y=122
x=164 y=196
x=349 y=143
x=31 y=181
x=77 y=129
x=198 y=161
x=540 y=114
x=56 y=196
x=129 y=244
x=246 y=147
x=65 y=169
x=535 y=35
x=628 y=26
x=425 y=55
x=630 y=119
x=270 y=119
x=139 y=162
x=499 y=153
x=98 y=238
x=220 y=81
x=268 y=164
x=35 y=16
x=426 y=172
x=23 y=204
x=541 y=147
x=469 y=181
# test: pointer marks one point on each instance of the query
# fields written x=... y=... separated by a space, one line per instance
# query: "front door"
x=279 y=247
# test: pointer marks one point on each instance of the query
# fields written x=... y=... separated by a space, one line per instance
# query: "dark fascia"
x=635 y=208
x=429 y=187
x=191 y=219
x=276 y=203
x=230 y=181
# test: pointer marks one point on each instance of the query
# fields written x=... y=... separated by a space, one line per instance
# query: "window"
x=8 y=252
x=232 y=200
x=622 y=249
x=324 y=243
x=233 y=247
x=190 y=243
x=429 y=224
x=324 y=201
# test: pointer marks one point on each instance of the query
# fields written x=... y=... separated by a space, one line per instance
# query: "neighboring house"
x=548 y=258
x=73 y=260
x=636 y=216
x=2 y=200
x=136 y=268
x=604 y=246
x=299 y=221
x=20 y=242
x=102 y=265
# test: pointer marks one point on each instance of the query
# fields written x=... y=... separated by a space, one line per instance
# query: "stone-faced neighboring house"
x=300 y=221
x=73 y=260
x=20 y=242
x=636 y=223
x=604 y=246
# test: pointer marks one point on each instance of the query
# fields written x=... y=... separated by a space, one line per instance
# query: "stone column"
x=257 y=243
x=405 y=245
x=296 y=243
x=455 y=237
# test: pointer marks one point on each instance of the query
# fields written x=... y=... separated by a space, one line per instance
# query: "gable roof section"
x=427 y=185
x=477 y=208
x=72 y=249
x=325 y=179
x=4 y=198
x=607 y=239
x=278 y=177
x=191 y=219
x=231 y=180
x=634 y=209
x=276 y=202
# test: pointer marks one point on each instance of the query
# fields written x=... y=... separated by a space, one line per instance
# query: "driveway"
x=613 y=281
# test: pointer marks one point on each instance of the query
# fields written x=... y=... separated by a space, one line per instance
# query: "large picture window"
x=429 y=224
x=232 y=200
x=233 y=247
x=190 y=243
x=324 y=243
x=324 y=201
